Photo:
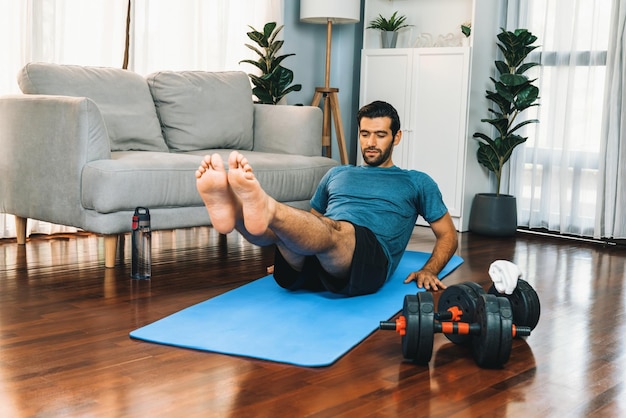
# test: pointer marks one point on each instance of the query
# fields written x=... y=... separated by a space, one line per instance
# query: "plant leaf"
x=258 y=38
x=502 y=67
x=255 y=49
x=525 y=67
x=268 y=29
x=255 y=63
x=519 y=125
x=526 y=97
x=487 y=157
x=513 y=80
x=273 y=36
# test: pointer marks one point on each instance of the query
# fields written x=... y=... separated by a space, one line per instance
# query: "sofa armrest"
x=45 y=142
x=288 y=129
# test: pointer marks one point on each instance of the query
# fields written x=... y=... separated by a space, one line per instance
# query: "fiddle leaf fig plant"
x=274 y=83
x=513 y=93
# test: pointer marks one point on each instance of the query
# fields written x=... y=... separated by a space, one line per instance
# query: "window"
x=560 y=159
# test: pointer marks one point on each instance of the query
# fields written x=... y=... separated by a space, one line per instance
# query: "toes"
x=233 y=160
x=216 y=162
x=245 y=166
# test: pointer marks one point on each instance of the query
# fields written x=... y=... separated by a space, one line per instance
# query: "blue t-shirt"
x=387 y=200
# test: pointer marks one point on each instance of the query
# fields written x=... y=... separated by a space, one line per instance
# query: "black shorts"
x=367 y=273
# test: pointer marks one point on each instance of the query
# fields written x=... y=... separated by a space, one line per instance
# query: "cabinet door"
x=439 y=119
x=386 y=75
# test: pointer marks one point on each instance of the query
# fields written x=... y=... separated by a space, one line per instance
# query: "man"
x=360 y=222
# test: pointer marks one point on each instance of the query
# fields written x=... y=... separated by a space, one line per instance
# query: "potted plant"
x=389 y=28
x=466 y=30
x=513 y=93
x=274 y=82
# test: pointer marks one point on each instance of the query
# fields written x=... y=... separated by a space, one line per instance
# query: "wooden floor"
x=65 y=350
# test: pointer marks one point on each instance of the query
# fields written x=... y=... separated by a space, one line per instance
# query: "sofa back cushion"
x=204 y=110
x=122 y=97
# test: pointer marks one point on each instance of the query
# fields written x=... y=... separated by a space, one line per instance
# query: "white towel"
x=504 y=275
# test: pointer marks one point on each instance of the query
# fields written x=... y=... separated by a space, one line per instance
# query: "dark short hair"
x=380 y=109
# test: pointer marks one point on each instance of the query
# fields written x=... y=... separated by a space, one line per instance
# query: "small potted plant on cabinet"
x=389 y=28
x=495 y=214
x=466 y=30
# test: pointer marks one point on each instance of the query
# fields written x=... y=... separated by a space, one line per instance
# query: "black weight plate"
x=524 y=303
x=506 y=330
x=465 y=297
x=478 y=289
x=491 y=349
x=427 y=328
x=410 y=311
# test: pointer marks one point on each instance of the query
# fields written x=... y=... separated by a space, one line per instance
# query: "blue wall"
x=308 y=42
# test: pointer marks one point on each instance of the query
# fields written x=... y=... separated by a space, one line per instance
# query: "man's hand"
x=445 y=245
x=425 y=279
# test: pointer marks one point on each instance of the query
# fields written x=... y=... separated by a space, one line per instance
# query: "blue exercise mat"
x=264 y=321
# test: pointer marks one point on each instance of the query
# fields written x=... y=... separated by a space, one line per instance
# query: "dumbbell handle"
x=461 y=328
x=445 y=316
x=399 y=325
x=454 y=314
x=388 y=325
x=454 y=327
x=520 y=331
x=464 y=328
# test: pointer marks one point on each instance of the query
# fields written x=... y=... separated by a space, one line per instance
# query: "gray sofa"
x=84 y=146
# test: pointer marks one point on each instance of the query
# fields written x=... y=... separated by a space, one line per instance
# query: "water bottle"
x=141 y=254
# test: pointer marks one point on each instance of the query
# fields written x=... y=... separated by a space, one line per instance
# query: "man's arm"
x=445 y=246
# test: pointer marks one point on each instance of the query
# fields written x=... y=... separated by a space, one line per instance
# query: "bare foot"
x=258 y=208
x=220 y=201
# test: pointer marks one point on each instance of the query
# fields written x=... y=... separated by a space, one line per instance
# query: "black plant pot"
x=493 y=215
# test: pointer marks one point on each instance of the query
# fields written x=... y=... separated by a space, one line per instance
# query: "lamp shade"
x=337 y=11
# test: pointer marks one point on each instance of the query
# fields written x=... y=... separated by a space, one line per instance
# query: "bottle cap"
x=141 y=215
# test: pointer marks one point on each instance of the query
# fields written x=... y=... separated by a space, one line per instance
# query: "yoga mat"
x=264 y=321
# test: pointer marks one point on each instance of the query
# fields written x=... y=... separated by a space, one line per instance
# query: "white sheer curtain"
x=611 y=212
x=61 y=31
x=555 y=174
x=165 y=35
x=197 y=34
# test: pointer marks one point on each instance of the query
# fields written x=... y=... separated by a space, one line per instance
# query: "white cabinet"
x=429 y=88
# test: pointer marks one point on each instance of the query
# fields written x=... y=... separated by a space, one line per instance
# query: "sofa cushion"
x=158 y=180
x=122 y=96
x=204 y=110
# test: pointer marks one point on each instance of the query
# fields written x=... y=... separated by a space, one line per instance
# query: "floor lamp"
x=329 y=12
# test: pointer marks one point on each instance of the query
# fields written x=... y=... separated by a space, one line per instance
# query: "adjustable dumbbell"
x=461 y=299
x=491 y=333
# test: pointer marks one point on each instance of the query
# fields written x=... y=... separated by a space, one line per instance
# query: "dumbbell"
x=491 y=333
x=460 y=300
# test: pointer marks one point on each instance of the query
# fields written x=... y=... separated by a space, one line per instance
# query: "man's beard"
x=382 y=156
